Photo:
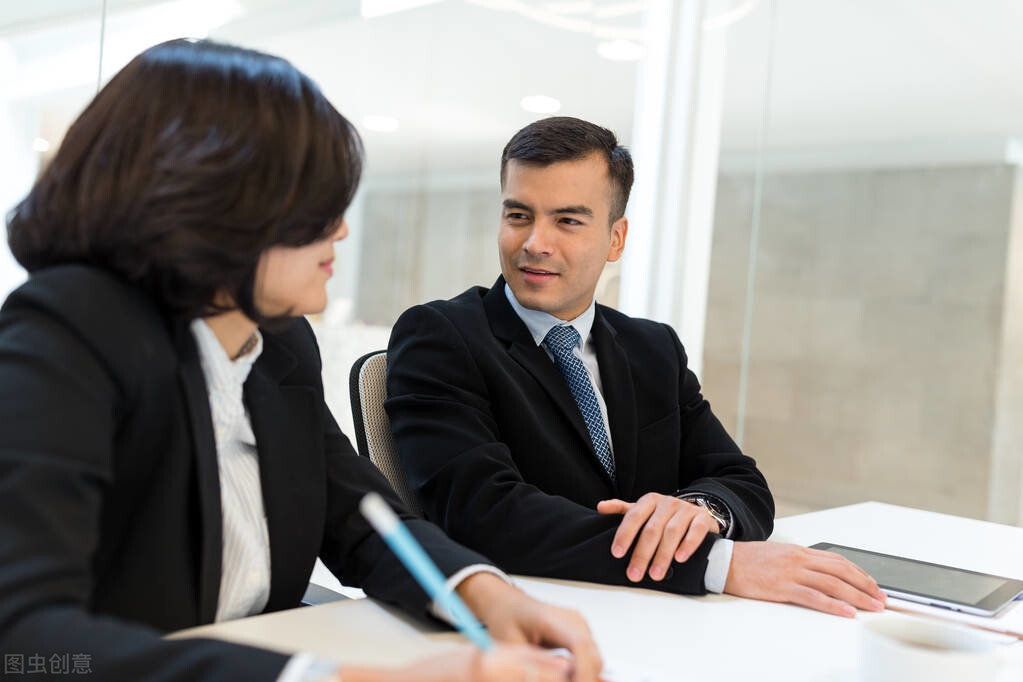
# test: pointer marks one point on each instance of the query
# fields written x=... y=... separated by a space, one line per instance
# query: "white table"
x=715 y=637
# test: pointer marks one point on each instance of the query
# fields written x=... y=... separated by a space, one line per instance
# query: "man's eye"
x=570 y=221
x=517 y=216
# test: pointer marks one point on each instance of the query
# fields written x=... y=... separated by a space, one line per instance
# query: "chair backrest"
x=368 y=387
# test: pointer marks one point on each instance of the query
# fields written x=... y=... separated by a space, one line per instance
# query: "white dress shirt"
x=245 y=564
x=539 y=324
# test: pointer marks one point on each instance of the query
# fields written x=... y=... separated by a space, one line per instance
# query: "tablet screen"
x=906 y=575
x=954 y=588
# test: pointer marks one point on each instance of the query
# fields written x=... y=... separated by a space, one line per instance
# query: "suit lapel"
x=620 y=398
x=288 y=430
x=193 y=387
x=507 y=326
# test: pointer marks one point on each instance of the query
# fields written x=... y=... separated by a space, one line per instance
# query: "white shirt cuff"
x=718 y=562
x=456 y=579
x=304 y=667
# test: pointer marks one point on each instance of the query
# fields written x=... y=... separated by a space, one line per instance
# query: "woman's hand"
x=512 y=616
x=505 y=663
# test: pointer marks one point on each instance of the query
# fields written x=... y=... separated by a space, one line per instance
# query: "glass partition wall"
x=863 y=335
x=849 y=288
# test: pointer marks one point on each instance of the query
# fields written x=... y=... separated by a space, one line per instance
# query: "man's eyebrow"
x=511 y=203
x=578 y=210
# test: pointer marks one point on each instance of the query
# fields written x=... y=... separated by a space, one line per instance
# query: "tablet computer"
x=952 y=588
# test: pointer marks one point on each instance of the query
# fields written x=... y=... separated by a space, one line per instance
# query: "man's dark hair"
x=563 y=138
x=191 y=162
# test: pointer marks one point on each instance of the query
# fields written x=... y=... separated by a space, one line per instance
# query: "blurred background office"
x=828 y=205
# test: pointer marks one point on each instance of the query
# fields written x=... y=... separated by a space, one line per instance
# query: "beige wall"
x=876 y=331
x=422 y=244
x=1005 y=503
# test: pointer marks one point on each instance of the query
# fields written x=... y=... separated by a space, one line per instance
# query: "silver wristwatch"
x=717 y=511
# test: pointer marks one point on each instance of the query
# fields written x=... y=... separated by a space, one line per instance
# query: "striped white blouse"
x=245 y=564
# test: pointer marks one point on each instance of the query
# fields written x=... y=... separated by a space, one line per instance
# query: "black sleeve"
x=59 y=411
x=711 y=462
x=353 y=551
x=467 y=479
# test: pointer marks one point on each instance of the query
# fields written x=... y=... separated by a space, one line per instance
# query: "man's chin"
x=532 y=300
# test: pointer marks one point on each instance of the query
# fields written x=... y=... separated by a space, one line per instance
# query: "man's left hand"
x=667 y=527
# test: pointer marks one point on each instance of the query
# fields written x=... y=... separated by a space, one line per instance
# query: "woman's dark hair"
x=563 y=138
x=194 y=159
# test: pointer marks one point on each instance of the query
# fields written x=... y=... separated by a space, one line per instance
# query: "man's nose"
x=539 y=242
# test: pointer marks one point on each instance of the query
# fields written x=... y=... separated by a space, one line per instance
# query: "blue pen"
x=400 y=540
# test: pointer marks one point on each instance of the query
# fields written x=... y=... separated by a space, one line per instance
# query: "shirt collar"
x=221 y=371
x=539 y=323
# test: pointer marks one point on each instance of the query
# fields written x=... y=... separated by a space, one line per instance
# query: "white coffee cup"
x=900 y=649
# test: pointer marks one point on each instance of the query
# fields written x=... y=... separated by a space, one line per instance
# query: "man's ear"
x=619 y=230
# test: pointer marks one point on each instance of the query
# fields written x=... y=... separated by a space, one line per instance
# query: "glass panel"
x=884 y=334
x=736 y=210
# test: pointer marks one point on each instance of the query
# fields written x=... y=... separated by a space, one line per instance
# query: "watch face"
x=716 y=511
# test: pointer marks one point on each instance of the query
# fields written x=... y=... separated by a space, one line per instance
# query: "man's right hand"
x=824 y=581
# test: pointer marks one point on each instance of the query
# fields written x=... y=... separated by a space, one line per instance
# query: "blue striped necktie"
x=560 y=341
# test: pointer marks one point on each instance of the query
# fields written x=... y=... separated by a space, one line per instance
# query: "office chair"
x=368 y=387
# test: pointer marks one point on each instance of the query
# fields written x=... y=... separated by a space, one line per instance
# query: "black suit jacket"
x=497 y=449
x=110 y=521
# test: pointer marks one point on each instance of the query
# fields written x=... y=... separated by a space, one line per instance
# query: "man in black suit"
x=565 y=439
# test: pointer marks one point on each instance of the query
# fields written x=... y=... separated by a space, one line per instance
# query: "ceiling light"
x=622 y=9
x=570 y=7
x=540 y=104
x=732 y=16
x=40 y=145
x=380 y=124
x=575 y=23
x=379 y=8
x=620 y=50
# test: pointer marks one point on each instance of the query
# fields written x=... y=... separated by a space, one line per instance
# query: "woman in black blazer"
x=184 y=226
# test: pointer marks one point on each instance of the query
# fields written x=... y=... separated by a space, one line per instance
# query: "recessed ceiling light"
x=570 y=7
x=620 y=50
x=618 y=10
x=731 y=17
x=40 y=145
x=380 y=124
x=540 y=104
x=379 y=8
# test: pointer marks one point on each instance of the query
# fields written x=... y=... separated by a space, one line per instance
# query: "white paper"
x=1009 y=620
x=624 y=671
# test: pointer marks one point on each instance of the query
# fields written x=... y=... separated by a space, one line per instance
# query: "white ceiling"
x=843 y=72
